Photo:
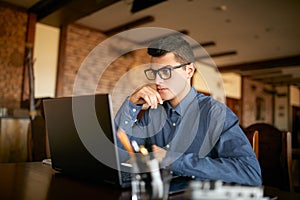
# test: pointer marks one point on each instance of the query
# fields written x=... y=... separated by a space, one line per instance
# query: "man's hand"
x=147 y=94
x=159 y=153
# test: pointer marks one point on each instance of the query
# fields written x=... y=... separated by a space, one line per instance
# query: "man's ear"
x=190 y=70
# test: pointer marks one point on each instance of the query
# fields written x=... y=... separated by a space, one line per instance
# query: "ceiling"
x=258 y=39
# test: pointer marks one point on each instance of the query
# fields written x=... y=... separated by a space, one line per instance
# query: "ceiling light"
x=222 y=8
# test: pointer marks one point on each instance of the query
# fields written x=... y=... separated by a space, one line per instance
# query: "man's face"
x=174 y=87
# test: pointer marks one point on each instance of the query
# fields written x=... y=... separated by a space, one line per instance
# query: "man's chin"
x=165 y=97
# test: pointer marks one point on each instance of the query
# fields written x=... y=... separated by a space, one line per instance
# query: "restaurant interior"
x=247 y=55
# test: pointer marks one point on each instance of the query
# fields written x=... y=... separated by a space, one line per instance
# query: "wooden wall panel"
x=13 y=139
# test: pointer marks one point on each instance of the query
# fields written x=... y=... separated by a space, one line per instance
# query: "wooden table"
x=35 y=180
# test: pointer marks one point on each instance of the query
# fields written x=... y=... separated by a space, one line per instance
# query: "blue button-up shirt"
x=202 y=137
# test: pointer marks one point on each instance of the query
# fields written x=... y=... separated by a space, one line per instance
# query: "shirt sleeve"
x=126 y=118
x=127 y=115
x=231 y=160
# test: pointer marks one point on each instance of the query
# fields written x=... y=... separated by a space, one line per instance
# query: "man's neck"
x=174 y=102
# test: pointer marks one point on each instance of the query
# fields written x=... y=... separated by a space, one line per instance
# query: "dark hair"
x=174 y=44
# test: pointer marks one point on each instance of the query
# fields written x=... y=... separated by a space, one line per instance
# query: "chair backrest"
x=275 y=155
x=253 y=138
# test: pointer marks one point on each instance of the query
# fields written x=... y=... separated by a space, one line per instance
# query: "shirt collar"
x=184 y=104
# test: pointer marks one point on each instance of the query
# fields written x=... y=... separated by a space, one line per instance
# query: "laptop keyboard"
x=126 y=176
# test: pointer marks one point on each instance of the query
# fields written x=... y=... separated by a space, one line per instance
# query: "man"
x=196 y=135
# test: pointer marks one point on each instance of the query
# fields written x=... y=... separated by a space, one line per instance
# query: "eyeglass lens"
x=164 y=73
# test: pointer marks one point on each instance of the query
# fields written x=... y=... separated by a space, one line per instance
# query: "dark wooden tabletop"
x=39 y=181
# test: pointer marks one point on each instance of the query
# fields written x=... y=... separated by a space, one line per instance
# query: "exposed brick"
x=81 y=44
x=12 y=48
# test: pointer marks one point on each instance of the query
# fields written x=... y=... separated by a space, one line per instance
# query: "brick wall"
x=13 y=23
x=93 y=64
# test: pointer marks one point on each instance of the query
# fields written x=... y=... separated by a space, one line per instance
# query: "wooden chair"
x=254 y=140
x=275 y=156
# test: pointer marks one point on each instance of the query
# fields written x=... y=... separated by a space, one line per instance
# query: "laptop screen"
x=81 y=137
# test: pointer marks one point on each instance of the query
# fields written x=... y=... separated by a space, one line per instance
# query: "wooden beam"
x=274 y=78
x=261 y=76
x=205 y=44
x=13 y=6
x=264 y=64
x=146 y=42
x=287 y=81
x=46 y=7
x=129 y=25
x=59 y=91
x=261 y=72
x=185 y=32
x=220 y=54
x=62 y=12
x=139 y=5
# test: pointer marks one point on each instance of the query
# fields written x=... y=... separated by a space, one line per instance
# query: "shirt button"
x=126 y=122
x=134 y=110
x=193 y=177
x=167 y=146
x=174 y=124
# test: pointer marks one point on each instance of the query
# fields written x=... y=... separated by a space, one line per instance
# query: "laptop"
x=82 y=141
x=82 y=137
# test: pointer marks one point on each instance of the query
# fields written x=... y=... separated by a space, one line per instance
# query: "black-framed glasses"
x=164 y=72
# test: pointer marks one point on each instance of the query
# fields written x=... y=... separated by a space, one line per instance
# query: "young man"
x=195 y=135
